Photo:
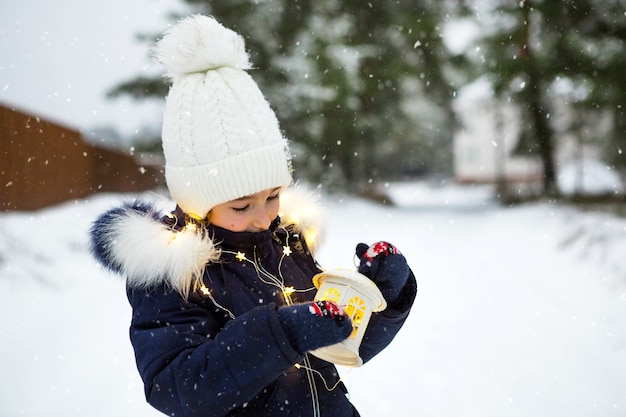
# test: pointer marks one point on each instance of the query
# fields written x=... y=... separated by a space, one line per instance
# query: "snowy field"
x=520 y=312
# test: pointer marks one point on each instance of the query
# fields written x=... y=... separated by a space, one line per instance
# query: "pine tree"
x=532 y=45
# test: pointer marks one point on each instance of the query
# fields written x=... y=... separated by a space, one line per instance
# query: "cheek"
x=226 y=220
x=273 y=209
x=237 y=226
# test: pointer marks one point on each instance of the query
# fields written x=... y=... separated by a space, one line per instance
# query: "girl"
x=220 y=288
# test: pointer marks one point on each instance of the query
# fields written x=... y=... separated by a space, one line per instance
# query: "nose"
x=261 y=219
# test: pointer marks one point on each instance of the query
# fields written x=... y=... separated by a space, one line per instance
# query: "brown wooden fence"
x=43 y=163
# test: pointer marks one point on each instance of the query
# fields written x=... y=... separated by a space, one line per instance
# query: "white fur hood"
x=133 y=241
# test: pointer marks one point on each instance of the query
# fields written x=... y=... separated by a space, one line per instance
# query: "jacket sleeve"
x=384 y=326
x=191 y=366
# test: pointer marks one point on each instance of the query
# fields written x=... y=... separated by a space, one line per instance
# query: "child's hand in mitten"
x=309 y=326
x=386 y=266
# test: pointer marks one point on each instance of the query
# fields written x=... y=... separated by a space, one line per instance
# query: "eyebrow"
x=245 y=197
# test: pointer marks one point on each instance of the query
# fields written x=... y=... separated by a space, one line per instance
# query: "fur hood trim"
x=133 y=241
x=301 y=208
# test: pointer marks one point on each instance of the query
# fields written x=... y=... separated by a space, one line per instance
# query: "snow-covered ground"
x=520 y=312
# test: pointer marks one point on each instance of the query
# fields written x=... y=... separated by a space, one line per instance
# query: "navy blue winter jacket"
x=220 y=350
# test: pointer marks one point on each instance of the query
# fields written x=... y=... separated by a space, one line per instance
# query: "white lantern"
x=359 y=297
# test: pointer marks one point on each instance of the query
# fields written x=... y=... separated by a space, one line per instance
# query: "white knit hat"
x=221 y=139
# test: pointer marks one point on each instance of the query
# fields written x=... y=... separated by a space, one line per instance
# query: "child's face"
x=253 y=213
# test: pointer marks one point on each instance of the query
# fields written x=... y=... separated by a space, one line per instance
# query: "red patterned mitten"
x=309 y=326
x=386 y=266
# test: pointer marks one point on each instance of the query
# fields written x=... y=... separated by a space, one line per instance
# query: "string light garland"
x=265 y=276
x=340 y=380
x=287 y=292
x=205 y=291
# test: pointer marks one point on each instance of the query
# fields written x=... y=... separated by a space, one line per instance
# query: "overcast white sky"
x=58 y=58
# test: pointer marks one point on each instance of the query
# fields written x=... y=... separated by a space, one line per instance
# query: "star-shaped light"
x=241 y=256
x=286 y=250
x=204 y=290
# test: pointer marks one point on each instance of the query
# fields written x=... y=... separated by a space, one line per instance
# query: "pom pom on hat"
x=200 y=43
x=221 y=139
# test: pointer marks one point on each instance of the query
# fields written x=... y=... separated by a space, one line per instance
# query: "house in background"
x=483 y=144
x=489 y=132
x=44 y=163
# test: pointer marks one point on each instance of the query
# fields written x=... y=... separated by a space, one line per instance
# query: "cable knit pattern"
x=221 y=139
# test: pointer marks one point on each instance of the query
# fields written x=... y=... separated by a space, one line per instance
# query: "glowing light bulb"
x=311 y=235
x=287 y=291
x=204 y=290
x=175 y=236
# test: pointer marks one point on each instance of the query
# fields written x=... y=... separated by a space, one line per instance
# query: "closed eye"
x=241 y=209
x=247 y=202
